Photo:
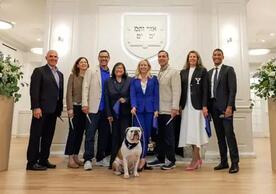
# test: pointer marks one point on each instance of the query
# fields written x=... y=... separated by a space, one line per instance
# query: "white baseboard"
x=212 y=156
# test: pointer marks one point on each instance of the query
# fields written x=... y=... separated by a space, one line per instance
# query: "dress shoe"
x=221 y=166
x=36 y=167
x=234 y=168
x=47 y=164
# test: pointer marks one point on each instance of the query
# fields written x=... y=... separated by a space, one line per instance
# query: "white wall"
x=89 y=26
x=28 y=61
x=110 y=17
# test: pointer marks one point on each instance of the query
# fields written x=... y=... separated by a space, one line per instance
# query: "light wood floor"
x=255 y=177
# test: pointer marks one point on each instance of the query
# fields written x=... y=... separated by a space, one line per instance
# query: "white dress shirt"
x=212 y=80
x=144 y=86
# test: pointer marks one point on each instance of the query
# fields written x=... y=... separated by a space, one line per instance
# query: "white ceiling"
x=261 y=21
x=29 y=16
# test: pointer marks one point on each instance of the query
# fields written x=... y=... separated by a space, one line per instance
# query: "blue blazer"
x=148 y=102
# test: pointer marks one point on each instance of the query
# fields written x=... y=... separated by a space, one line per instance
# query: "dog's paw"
x=136 y=174
x=126 y=176
x=117 y=173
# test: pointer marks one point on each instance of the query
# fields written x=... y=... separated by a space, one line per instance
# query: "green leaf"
x=11 y=74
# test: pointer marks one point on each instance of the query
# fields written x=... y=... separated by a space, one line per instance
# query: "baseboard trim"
x=212 y=156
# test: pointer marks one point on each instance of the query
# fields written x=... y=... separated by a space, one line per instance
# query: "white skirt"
x=192 y=128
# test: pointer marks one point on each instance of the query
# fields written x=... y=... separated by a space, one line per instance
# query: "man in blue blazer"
x=46 y=91
x=94 y=106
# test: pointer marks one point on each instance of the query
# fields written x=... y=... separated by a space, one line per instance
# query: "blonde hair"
x=138 y=73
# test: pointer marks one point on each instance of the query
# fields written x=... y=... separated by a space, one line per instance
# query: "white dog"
x=128 y=157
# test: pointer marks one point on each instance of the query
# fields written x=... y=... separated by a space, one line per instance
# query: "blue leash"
x=143 y=137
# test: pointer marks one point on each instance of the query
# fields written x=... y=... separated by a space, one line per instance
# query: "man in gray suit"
x=169 y=92
x=223 y=88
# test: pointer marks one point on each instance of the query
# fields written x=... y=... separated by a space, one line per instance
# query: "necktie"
x=215 y=82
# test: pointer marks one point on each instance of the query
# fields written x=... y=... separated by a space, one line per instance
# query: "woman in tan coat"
x=77 y=118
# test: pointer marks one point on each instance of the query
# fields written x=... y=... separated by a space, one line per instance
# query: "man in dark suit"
x=46 y=91
x=223 y=90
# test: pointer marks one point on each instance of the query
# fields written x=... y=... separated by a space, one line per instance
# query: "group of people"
x=109 y=102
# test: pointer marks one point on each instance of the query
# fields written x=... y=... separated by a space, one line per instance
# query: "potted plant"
x=266 y=88
x=10 y=75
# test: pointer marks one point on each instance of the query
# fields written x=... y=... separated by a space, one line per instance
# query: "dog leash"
x=138 y=121
x=143 y=137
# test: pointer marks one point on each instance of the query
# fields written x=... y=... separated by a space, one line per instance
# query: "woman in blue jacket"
x=144 y=98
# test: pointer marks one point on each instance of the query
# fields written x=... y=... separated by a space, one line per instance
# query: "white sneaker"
x=87 y=165
x=104 y=162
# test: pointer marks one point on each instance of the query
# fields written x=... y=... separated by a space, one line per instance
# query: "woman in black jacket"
x=193 y=103
x=117 y=102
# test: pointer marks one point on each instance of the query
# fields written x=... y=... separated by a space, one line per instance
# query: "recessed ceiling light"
x=38 y=51
x=272 y=34
x=258 y=52
x=38 y=39
x=4 y=25
x=263 y=40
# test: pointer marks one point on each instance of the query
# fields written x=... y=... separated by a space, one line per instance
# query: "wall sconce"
x=61 y=39
x=230 y=40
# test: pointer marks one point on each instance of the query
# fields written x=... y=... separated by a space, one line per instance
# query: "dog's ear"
x=126 y=130
x=141 y=129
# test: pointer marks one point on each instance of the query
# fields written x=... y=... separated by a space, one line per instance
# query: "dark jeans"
x=75 y=135
x=119 y=126
x=98 y=121
x=225 y=135
x=41 y=136
x=166 y=138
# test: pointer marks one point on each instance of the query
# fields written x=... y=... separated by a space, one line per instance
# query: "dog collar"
x=130 y=145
